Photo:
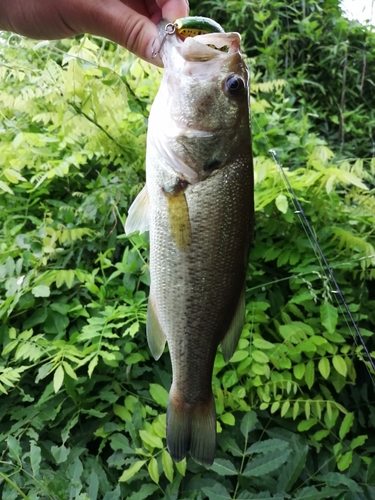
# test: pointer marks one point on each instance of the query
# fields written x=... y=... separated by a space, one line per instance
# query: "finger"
x=116 y=21
x=173 y=9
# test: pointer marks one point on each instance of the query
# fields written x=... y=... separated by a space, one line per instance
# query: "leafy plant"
x=82 y=412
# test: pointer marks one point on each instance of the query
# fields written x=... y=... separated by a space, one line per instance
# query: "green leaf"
x=122 y=412
x=55 y=322
x=340 y=365
x=15 y=450
x=134 y=358
x=239 y=356
x=350 y=178
x=346 y=425
x=216 y=492
x=310 y=373
x=69 y=278
x=5 y=187
x=335 y=479
x=296 y=331
x=370 y=471
x=228 y=418
x=120 y=442
x=58 y=378
x=93 y=363
x=145 y=491
x=153 y=470
x=305 y=425
x=262 y=495
x=319 y=435
x=312 y=493
x=299 y=371
x=266 y=463
x=267 y=446
x=263 y=344
x=132 y=470
x=93 y=485
x=60 y=453
x=295 y=464
x=282 y=203
x=167 y=465
x=285 y=407
x=324 y=367
x=35 y=457
x=358 y=441
x=345 y=461
x=260 y=357
x=295 y=410
x=275 y=406
x=38 y=317
x=41 y=291
x=329 y=316
x=150 y=439
x=159 y=395
x=229 y=445
x=224 y=467
x=307 y=410
x=248 y=423
x=69 y=370
x=230 y=378
x=181 y=467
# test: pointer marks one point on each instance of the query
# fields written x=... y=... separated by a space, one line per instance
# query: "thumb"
x=123 y=25
x=173 y=9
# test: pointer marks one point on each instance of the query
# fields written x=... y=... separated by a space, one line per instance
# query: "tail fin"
x=191 y=429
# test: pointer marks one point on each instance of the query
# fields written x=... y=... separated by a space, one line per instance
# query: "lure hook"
x=169 y=29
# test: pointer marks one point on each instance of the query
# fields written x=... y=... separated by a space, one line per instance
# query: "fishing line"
x=335 y=289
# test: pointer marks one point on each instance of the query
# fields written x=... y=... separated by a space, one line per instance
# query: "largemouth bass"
x=198 y=207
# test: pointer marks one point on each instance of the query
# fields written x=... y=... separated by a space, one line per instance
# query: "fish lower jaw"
x=195 y=132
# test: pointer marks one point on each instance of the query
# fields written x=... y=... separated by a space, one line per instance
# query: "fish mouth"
x=199 y=48
x=209 y=46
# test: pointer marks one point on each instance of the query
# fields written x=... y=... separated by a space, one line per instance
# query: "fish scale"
x=200 y=212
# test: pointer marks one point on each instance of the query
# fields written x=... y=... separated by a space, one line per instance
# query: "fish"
x=198 y=206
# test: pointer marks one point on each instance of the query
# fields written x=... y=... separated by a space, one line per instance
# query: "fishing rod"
x=298 y=210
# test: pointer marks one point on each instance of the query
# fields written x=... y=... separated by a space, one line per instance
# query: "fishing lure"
x=195 y=25
x=191 y=26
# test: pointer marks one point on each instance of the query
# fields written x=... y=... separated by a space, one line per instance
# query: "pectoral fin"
x=230 y=341
x=138 y=216
x=155 y=336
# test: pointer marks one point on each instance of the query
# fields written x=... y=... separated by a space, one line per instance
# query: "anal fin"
x=230 y=341
x=155 y=336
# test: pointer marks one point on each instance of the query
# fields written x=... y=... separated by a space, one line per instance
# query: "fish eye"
x=233 y=85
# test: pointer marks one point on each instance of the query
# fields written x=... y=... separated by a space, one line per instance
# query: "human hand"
x=131 y=23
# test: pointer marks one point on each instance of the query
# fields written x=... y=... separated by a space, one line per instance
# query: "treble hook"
x=169 y=29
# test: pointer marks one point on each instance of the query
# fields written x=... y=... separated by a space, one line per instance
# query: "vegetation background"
x=82 y=413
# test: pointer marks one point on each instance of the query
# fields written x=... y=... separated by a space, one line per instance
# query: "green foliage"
x=83 y=405
x=326 y=60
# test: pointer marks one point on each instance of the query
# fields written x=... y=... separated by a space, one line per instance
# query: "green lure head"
x=196 y=25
